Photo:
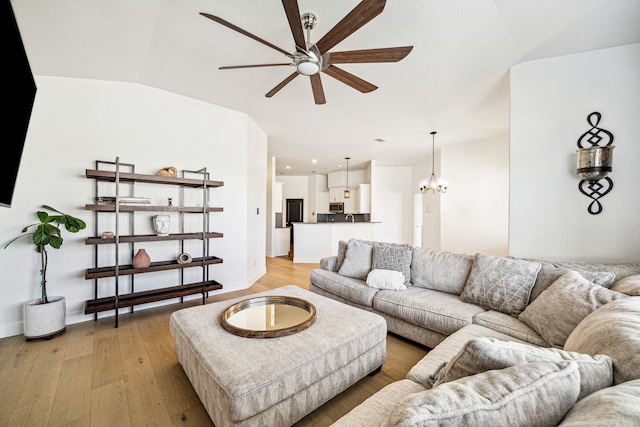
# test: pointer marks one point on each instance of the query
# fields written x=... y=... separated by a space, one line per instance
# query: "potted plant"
x=46 y=316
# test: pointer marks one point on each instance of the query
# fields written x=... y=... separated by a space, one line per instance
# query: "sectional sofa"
x=512 y=341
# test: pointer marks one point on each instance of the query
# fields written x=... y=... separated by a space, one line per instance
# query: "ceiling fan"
x=311 y=59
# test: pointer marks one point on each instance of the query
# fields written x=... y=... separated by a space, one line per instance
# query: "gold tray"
x=268 y=316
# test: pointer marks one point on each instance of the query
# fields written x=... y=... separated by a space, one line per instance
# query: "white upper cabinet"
x=337 y=179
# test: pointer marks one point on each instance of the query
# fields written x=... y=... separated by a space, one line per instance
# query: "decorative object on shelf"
x=433 y=184
x=142 y=259
x=184 y=258
x=168 y=171
x=45 y=317
x=125 y=200
x=169 y=201
x=347 y=191
x=107 y=235
x=594 y=163
x=162 y=224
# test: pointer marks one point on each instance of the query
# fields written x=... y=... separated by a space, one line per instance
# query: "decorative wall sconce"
x=594 y=163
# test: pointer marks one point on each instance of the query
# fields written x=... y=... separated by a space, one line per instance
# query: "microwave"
x=336 y=207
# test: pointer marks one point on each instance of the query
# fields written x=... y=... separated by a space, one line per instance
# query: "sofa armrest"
x=329 y=263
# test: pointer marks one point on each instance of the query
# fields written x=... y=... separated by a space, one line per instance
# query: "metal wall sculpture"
x=595 y=155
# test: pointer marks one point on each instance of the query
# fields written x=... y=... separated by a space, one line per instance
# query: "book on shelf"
x=124 y=200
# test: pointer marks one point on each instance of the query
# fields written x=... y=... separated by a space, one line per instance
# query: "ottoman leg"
x=378 y=369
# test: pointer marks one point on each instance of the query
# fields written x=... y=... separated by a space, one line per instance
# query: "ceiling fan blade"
x=293 y=15
x=364 y=12
x=232 y=67
x=349 y=79
x=389 y=54
x=243 y=32
x=281 y=85
x=318 y=92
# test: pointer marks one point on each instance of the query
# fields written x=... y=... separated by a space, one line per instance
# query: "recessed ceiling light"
x=339 y=166
x=288 y=167
x=379 y=140
x=314 y=161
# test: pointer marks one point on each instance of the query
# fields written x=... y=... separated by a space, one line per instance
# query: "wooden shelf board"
x=151 y=238
x=111 y=207
x=135 y=298
x=103 y=175
x=125 y=270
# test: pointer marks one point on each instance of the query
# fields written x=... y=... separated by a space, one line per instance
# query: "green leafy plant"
x=47 y=233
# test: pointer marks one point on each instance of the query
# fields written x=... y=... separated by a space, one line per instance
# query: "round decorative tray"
x=268 y=316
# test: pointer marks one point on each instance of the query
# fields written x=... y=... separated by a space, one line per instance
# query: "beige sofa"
x=513 y=341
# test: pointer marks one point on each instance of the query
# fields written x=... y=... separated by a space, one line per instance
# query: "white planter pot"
x=44 y=320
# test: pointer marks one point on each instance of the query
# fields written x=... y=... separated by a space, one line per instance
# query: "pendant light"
x=347 y=191
x=433 y=184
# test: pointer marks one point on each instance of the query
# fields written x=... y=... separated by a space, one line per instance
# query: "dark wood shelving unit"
x=131 y=297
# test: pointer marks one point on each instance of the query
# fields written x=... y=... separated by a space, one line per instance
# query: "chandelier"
x=434 y=183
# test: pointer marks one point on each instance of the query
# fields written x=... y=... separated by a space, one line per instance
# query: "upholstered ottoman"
x=276 y=381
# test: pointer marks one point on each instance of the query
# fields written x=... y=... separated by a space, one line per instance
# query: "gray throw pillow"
x=559 y=309
x=630 y=285
x=392 y=256
x=619 y=403
x=342 y=250
x=500 y=283
x=612 y=330
x=357 y=260
x=440 y=270
x=538 y=393
x=548 y=275
x=485 y=354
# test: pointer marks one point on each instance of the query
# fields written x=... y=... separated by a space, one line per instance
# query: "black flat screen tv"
x=21 y=96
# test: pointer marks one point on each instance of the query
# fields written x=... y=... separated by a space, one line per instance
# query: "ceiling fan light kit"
x=313 y=59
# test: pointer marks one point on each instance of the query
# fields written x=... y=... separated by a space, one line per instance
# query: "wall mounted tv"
x=18 y=77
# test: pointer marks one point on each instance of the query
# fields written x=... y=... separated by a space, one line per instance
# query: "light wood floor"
x=97 y=375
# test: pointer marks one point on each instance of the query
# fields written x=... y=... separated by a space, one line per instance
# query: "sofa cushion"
x=559 y=309
x=484 y=354
x=620 y=270
x=392 y=256
x=434 y=310
x=500 y=283
x=357 y=260
x=612 y=330
x=386 y=279
x=342 y=250
x=513 y=396
x=440 y=271
x=353 y=290
x=619 y=403
x=549 y=274
x=509 y=325
x=630 y=285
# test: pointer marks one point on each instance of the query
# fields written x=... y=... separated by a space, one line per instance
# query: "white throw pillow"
x=386 y=279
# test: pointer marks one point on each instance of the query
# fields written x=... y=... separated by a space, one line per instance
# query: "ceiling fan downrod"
x=309 y=61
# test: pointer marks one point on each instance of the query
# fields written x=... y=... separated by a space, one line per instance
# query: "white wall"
x=392 y=204
x=295 y=187
x=475 y=208
x=76 y=122
x=550 y=101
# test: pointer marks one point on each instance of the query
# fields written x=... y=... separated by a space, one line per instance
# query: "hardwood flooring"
x=96 y=375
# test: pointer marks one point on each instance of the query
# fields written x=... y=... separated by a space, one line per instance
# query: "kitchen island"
x=312 y=241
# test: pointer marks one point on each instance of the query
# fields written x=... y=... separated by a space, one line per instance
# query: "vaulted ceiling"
x=454 y=81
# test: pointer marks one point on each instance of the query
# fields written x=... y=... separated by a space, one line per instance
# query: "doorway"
x=294 y=214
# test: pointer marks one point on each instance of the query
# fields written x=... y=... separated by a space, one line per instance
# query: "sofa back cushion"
x=500 y=283
x=549 y=274
x=538 y=393
x=630 y=285
x=612 y=330
x=440 y=271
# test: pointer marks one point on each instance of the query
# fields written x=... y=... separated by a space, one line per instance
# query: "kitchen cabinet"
x=337 y=179
x=336 y=194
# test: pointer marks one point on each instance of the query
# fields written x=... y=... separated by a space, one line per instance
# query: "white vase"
x=44 y=320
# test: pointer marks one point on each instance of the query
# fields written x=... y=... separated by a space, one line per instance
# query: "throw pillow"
x=386 y=279
x=612 y=330
x=548 y=275
x=357 y=260
x=559 y=309
x=485 y=354
x=630 y=285
x=342 y=250
x=500 y=283
x=619 y=403
x=537 y=394
x=392 y=256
